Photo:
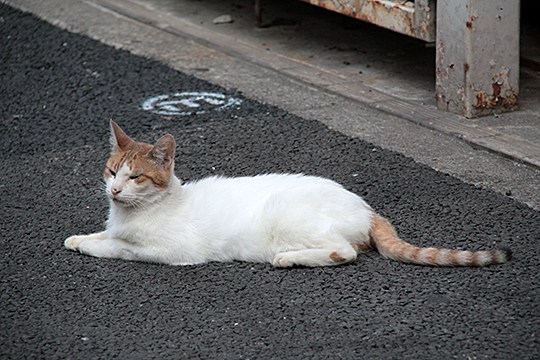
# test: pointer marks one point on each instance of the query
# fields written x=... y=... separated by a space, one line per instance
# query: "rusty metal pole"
x=477 y=61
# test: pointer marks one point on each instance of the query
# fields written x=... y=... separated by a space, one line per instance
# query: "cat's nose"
x=116 y=190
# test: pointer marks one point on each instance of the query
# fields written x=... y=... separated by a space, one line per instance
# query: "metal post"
x=258 y=13
x=477 y=70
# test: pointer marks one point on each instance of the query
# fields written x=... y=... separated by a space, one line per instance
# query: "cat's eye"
x=112 y=173
x=133 y=177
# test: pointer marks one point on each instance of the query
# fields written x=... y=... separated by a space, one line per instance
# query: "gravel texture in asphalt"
x=57 y=93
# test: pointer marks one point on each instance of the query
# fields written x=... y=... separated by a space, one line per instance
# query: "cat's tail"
x=385 y=239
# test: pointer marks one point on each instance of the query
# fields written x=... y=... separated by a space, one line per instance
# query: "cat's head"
x=137 y=174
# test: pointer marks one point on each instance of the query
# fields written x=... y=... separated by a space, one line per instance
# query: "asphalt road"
x=58 y=91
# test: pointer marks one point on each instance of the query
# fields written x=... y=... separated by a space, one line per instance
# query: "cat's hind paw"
x=283 y=260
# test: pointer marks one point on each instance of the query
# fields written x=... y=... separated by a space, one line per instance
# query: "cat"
x=285 y=219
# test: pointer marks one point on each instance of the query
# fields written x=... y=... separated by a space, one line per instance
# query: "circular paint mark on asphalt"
x=189 y=103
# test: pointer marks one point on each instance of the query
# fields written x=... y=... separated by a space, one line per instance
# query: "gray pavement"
x=59 y=89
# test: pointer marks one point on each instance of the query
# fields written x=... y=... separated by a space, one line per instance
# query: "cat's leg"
x=99 y=245
x=118 y=249
x=73 y=242
x=109 y=248
x=103 y=247
x=316 y=257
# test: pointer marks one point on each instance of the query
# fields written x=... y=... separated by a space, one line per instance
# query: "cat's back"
x=250 y=194
x=257 y=186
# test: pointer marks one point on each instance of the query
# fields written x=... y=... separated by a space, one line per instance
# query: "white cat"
x=286 y=220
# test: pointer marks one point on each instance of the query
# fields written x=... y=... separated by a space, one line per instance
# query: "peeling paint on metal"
x=470 y=23
x=477 y=57
x=410 y=18
x=503 y=96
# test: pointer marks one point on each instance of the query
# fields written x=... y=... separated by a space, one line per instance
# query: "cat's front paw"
x=74 y=242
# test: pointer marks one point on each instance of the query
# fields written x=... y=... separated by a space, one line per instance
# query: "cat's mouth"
x=118 y=201
x=123 y=202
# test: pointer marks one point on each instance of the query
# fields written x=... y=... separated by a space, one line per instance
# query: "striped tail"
x=385 y=239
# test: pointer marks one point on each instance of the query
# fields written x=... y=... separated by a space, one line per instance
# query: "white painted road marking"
x=189 y=103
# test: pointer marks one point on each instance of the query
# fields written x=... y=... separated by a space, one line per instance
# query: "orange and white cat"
x=283 y=219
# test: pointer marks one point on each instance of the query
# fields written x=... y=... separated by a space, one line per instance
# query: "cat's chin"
x=119 y=202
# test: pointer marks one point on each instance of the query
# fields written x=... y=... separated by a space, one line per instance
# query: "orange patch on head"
x=140 y=179
x=138 y=159
x=116 y=160
x=148 y=169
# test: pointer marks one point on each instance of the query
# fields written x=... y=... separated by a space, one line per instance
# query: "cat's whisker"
x=97 y=190
x=100 y=188
x=139 y=205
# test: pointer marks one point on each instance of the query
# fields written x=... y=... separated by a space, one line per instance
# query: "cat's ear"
x=119 y=140
x=163 y=151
